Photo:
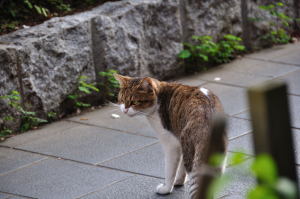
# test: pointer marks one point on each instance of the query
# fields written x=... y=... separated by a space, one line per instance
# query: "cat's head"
x=137 y=95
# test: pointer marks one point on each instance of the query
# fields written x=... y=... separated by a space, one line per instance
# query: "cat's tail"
x=202 y=173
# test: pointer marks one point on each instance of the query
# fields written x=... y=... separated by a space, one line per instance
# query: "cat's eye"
x=138 y=102
x=135 y=102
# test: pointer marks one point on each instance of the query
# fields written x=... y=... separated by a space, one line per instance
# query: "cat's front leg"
x=181 y=174
x=172 y=152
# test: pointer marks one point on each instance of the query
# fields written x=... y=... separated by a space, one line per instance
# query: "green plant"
x=83 y=88
x=277 y=34
x=110 y=83
x=14 y=13
x=270 y=185
x=263 y=168
x=28 y=118
x=205 y=49
x=51 y=115
x=5 y=132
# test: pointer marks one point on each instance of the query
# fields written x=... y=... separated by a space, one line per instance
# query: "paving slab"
x=259 y=67
x=232 y=77
x=233 y=98
x=137 y=187
x=53 y=178
x=296 y=137
x=244 y=115
x=18 y=197
x=294 y=103
x=242 y=144
x=12 y=159
x=282 y=53
x=237 y=127
x=4 y=196
x=42 y=132
x=293 y=81
x=138 y=125
x=192 y=80
x=148 y=161
x=240 y=181
x=88 y=144
x=295 y=110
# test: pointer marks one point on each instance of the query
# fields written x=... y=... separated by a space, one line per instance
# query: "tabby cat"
x=181 y=115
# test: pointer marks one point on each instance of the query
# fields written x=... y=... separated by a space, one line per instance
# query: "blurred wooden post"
x=271 y=126
x=246 y=30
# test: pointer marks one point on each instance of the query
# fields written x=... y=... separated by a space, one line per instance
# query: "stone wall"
x=135 y=37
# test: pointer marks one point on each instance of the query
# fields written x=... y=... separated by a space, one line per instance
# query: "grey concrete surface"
x=93 y=155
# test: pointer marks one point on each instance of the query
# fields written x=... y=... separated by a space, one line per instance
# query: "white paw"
x=163 y=189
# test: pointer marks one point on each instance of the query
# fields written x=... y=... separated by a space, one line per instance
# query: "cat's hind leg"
x=172 y=152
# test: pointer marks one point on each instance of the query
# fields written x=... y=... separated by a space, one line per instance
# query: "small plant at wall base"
x=83 y=88
x=29 y=119
x=277 y=33
x=205 y=50
x=110 y=83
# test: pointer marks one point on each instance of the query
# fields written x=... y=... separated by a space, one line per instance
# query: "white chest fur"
x=173 y=156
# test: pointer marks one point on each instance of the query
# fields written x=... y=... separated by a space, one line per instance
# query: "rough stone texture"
x=51 y=63
x=140 y=39
x=211 y=17
x=217 y=18
x=8 y=82
x=137 y=38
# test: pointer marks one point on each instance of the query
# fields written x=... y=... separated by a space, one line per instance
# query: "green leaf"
x=27 y=2
x=44 y=11
x=204 y=57
x=8 y=118
x=216 y=159
x=265 y=169
x=240 y=47
x=80 y=104
x=84 y=89
x=237 y=158
x=5 y=132
x=279 y=4
x=217 y=186
x=262 y=192
x=286 y=188
x=89 y=86
x=38 y=9
x=72 y=97
x=184 y=54
x=103 y=74
x=232 y=37
x=83 y=77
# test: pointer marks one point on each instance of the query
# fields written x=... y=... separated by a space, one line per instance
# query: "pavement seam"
x=13 y=194
x=243 y=134
x=222 y=83
x=129 y=152
x=269 y=60
x=118 y=130
x=24 y=166
x=104 y=187
x=80 y=162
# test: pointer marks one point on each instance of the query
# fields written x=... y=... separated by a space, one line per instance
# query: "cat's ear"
x=122 y=79
x=148 y=84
